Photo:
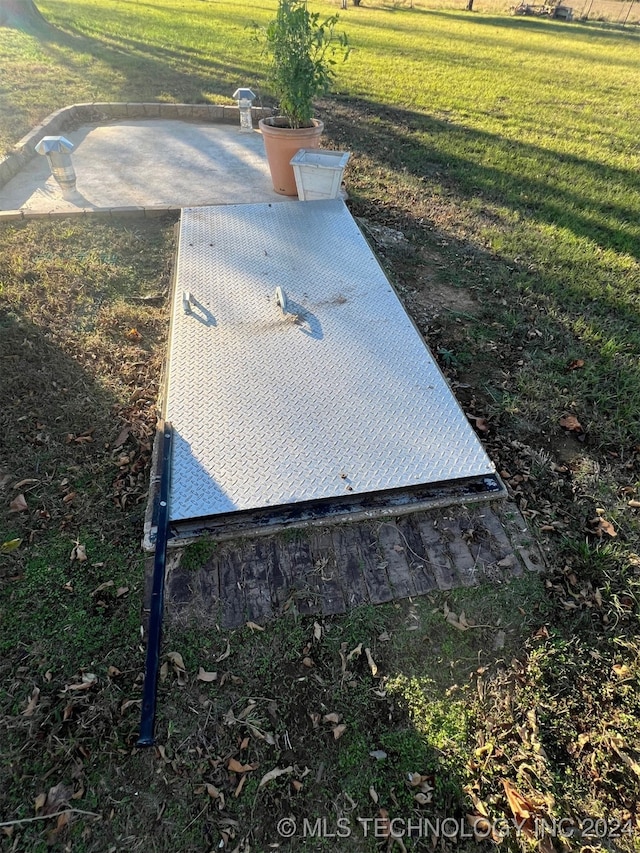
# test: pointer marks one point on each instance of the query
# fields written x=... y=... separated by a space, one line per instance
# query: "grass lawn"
x=505 y=151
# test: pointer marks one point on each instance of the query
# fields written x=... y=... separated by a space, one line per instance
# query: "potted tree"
x=304 y=49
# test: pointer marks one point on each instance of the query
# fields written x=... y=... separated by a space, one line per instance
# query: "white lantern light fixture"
x=245 y=98
x=57 y=150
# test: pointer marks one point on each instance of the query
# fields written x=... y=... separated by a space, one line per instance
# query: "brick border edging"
x=107 y=212
x=78 y=114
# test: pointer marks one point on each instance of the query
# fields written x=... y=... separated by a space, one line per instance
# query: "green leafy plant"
x=304 y=50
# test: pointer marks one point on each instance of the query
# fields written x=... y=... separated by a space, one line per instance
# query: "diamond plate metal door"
x=295 y=374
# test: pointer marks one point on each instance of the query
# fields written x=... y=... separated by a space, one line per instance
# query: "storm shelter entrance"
x=298 y=387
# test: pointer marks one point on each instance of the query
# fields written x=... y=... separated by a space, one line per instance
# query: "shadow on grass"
x=182 y=74
x=55 y=420
x=70 y=616
x=545 y=186
x=73 y=379
x=155 y=67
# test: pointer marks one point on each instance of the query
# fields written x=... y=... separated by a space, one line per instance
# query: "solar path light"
x=245 y=97
x=58 y=152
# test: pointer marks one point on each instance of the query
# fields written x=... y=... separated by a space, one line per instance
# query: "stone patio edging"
x=115 y=212
x=78 y=114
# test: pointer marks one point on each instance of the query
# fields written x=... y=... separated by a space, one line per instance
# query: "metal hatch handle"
x=281 y=299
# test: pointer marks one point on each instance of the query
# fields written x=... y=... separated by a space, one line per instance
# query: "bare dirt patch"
x=437 y=297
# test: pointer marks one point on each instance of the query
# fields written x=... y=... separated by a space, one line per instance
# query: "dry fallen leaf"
x=18 y=504
x=576 y=364
x=274 y=774
x=85 y=438
x=372 y=664
x=101 y=588
x=58 y=797
x=63 y=820
x=78 y=553
x=225 y=654
x=10 y=545
x=480 y=825
x=383 y=824
x=248 y=708
x=479 y=805
x=571 y=424
x=87 y=681
x=338 y=731
x=599 y=526
x=33 y=702
x=203 y=675
x=373 y=794
x=236 y=767
x=253 y=626
x=459 y=622
x=355 y=653
x=483 y=828
x=175 y=659
x=123 y=435
x=631 y=763
x=317 y=631
x=134 y=335
x=522 y=809
x=28 y=481
x=332 y=718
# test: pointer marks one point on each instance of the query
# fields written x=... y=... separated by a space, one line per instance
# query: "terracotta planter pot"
x=281 y=143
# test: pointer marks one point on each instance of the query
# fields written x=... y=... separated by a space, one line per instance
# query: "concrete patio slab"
x=149 y=163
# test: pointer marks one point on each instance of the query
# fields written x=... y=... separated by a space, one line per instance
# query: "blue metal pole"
x=148 y=714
